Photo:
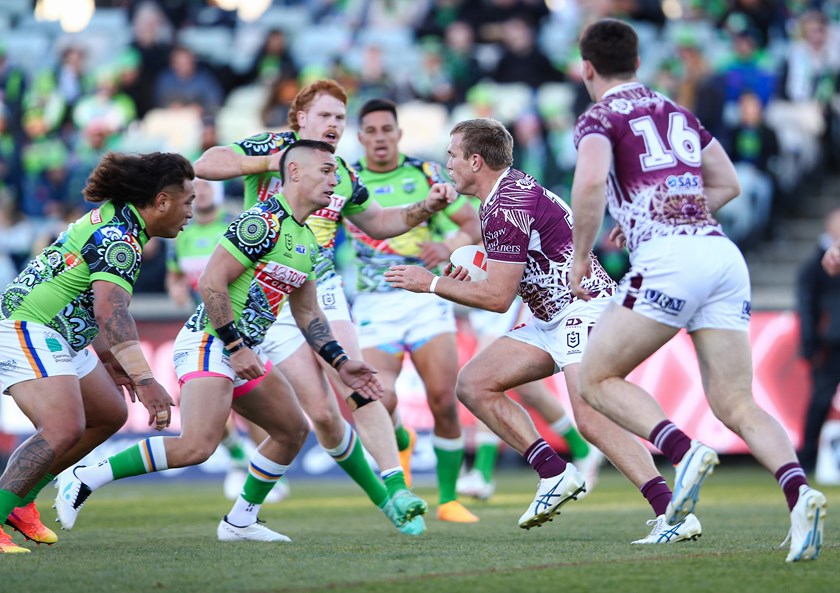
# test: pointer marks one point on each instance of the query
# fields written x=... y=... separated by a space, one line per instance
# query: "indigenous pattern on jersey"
x=522 y=222
x=407 y=184
x=350 y=195
x=190 y=251
x=55 y=288
x=278 y=254
x=655 y=187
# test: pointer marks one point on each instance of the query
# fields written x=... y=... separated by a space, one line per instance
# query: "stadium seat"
x=291 y=19
x=210 y=43
x=512 y=99
x=29 y=49
x=555 y=97
x=320 y=44
x=178 y=130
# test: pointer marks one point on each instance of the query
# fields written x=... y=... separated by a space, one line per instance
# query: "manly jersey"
x=190 y=251
x=279 y=256
x=350 y=195
x=407 y=184
x=522 y=222
x=655 y=187
x=55 y=288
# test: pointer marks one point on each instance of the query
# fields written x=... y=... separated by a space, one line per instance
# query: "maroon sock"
x=790 y=477
x=544 y=459
x=669 y=439
x=658 y=494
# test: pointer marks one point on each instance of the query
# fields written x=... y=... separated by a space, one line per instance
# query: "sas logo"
x=300 y=249
x=680 y=183
x=663 y=302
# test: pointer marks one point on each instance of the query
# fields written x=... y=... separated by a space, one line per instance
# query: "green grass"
x=157 y=535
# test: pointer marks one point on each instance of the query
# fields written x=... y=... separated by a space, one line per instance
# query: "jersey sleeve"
x=359 y=198
x=113 y=255
x=705 y=136
x=263 y=144
x=251 y=236
x=589 y=123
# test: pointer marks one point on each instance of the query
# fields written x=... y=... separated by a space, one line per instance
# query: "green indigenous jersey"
x=279 y=256
x=350 y=195
x=407 y=184
x=190 y=251
x=55 y=288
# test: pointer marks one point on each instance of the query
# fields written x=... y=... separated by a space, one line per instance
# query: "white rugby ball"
x=473 y=258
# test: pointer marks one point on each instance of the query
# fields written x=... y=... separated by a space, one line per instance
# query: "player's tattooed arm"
x=110 y=307
x=218 y=306
x=416 y=213
x=317 y=332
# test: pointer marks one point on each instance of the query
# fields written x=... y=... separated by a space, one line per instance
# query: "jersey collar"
x=620 y=88
x=138 y=218
x=281 y=199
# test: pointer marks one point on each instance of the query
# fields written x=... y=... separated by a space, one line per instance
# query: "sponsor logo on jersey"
x=95 y=216
x=573 y=321
x=409 y=185
x=300 y=249
x=663 y=302
x=277 y=281
x=333 y=211
x=746 y=310
x=496 y=247
x=622 y=106
x=53 y=345
x=8 y=365
x=383 y=190
x=328 y=300
x=683 y=184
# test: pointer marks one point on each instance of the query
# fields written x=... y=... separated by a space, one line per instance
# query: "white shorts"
x=30 y=350
x=401 y=321
x=198 y=354
x=565 y=336
x=489 y=324
x=687 y=281
x=283 y=338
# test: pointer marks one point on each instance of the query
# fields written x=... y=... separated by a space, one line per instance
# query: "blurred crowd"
x=184 y=75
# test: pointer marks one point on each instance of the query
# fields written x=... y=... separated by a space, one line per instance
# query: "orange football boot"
x=405 y=456
x=454 y=512
x=27 y=520
x=7 y=546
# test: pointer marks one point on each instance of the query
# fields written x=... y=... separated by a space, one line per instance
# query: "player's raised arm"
x=222 y=162
x=383 y=223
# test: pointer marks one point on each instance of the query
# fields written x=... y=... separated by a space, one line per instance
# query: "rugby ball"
x=473 y=258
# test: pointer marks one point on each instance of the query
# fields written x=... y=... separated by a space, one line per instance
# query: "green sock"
x=351 y=457
x=233 y=443
x=578 y=447
x=8 y=502
x=33 y=494
x=145 y=457
x=450 y=456
x=403 y=438
x=485 y=459
x=255 y=491
x=394 y=481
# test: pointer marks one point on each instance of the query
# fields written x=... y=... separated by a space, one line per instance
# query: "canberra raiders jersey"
x=407 y=184
x=350 y=195
x=279 y=256
x=55 y=288
x=189 y=253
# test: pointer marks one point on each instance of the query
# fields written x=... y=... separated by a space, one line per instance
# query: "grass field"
x=158 y=536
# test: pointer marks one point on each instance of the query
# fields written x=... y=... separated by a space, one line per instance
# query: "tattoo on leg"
x=28 y=464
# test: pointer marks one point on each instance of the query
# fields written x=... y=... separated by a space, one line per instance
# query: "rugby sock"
x=145 y=457
x=403 y=437
x=790 y=477
x=578 y=447
x=394 y=479
x=486 y=452
x=544 y=459
x=8 y=502
x=350 y=455
x=233 y=443
x=658 y=494
x=33 y=494
x=263 y=474
x=669 y=439
x=450 y=456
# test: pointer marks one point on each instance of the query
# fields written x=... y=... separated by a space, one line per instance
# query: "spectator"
x=819 y=314
x=70 y=78
x=16 y=235
x=152 y=47
x=44 y=170
x=12 y=90
x=107 y=105
x=272 y=62
x=275 y=111
x=521 y=60
x=185 y=84
x=431 y=82
x=697 y=86
x=10 y=175
x=459 y=59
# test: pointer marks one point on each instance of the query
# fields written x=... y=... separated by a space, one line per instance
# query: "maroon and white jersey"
x=522 y=222
x=655 y=187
